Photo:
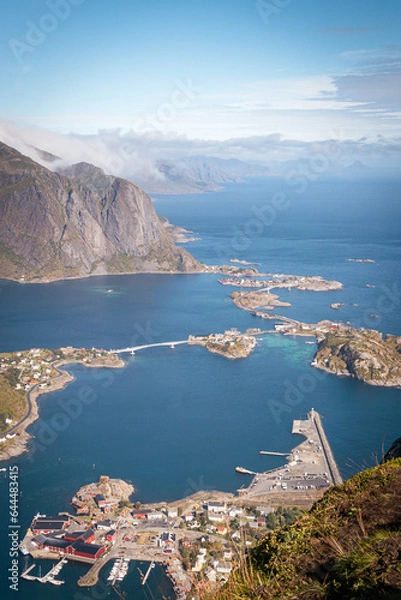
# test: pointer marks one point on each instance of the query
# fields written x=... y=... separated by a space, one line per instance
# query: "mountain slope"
x=55 y=227
x=348 y=546
x=197 y=174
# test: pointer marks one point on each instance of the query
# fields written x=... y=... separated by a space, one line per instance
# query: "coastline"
x=57 y=383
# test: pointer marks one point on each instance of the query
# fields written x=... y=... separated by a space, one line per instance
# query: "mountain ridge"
x=56 y=227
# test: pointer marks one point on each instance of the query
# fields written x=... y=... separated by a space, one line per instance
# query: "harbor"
x=310 y=470
x=102 y=533
x=50 y=576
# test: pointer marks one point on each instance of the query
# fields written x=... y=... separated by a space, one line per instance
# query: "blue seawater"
x=176 y=421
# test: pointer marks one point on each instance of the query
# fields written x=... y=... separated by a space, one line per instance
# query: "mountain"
x=57 y=226
x=198 y=174
x=348 y=547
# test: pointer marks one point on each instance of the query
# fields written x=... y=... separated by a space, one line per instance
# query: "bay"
x=176 y=421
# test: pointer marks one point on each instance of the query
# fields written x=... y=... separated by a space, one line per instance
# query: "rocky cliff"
x=79 y=223
x=364 y=355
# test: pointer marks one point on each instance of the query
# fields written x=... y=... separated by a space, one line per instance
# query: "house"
x=87 y=536
x=189 y=516
x=222 y=567
x=101 y=501
x=111 y=535
x=217 y=507
x=106 y=524
x=140 y=514
x=166 y=536
x=75 y=550
x=155 y=516
x=213 y=516
x=45 y=525
x=221 y=530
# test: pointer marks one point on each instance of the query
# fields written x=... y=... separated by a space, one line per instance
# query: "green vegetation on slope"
x=12 y=401
x=348 y=546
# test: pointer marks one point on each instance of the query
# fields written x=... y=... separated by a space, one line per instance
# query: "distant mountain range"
x=193 y=174
x=78 y=223
x=198 y=174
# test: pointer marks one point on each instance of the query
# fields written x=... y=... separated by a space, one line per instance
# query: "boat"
x=244 y=471
x=23 y=549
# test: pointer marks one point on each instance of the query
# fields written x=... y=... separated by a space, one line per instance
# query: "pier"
x=331 y=463
x=151 y=566
x=25 y=574
x=310 y=470
x=49 y=577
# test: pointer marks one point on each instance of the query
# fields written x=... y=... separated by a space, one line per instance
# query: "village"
x=26 y=374
x=196 y=539
x=199 y=539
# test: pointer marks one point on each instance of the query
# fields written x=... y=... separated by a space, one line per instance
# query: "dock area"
x=310 y=470
x=50 y=575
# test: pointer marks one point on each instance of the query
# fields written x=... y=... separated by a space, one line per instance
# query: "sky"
x=247 y=78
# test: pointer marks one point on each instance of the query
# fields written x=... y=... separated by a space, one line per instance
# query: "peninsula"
x=27 y=374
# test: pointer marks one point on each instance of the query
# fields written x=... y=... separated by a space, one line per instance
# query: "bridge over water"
x=134 y=349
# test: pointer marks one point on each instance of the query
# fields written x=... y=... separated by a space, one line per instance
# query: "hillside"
x=12 y=401
x=54 y=226
x=348 y=546
x=362 y=354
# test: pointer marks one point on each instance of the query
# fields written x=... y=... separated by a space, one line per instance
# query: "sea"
x=176 y=421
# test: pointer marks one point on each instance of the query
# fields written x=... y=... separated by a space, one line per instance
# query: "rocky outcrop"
x=79 y=223
x=394 y=451
x=364 y=355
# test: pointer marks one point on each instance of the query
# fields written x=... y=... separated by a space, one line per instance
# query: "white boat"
x=23 y=549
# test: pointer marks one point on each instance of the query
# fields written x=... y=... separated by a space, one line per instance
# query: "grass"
x=12 y=403
x=348 y=546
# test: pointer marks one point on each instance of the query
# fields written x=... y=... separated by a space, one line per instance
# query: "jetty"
x=331 y=463
x=274 y=453
x=310 y=470
x=49 y=577
x=151 y=566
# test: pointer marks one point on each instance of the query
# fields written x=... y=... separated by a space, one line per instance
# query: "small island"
x=230 y=344
x=363 y=354
x=312 y=283
x=252 y=300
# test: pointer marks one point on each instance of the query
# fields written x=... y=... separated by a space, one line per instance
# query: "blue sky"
x=206 y=70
